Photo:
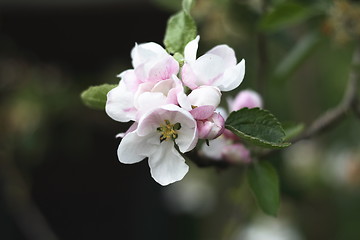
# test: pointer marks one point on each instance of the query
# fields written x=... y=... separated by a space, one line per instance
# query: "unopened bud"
x=212 y=127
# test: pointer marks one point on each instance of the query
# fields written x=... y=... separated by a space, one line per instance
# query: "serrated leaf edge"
x=259 y=140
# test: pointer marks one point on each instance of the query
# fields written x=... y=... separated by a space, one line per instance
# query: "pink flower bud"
x=229 y=135
x=212 y=127
x=236 y=153
x=246 y=98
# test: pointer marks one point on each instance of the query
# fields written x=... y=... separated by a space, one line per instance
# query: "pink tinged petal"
x=187 y=135
x=134 y=148
x=229 y=135
x=246 y=98
x=119 y=104
x=183 y=101
x=143 y=87
x=130 y=79
x=145 y=52
x=172 y=97
x=236 y=153
x=232 y=77
x=202 y=112
x=208 y=68
x=212 y=127
x=204 y=128
x=187 y=138
x=188 y=76
x=175 y=93
x=163 y=69
x=166 y=164
x=131 y=129
x=148 y=101
x=164 y=86
x=191 y=50
x=215 y=148
x=150 y=121
x=205 y=95
x=226 y=53
x=222 y=111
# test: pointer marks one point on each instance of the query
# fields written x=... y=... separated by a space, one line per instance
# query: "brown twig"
x=347 y=104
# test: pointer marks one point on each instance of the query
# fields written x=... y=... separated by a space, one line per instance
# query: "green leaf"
x=285 y=14
x=180 y=30
x=180 y=58
x=292 y=129
x=257 y=126
x=186 y=5
x=264 y=183
x=302 y=50
x=95 y=96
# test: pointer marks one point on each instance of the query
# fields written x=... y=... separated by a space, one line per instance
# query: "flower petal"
x=163 y=69
x=232 y=77
x=166 y=164
x=215 y=148
x=188 y=76
x=191 y=50
x=149 y=101
x=130 y=79
x=205 y=95
x=226 y=53
x=187 y=139
x=134 y=148
x=119 y=104
x=208 y=68
x=131 y=129
x=246 y=98
x=145 y=52
x=202 y=112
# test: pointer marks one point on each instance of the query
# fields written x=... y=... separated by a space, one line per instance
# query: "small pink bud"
x=229 y=135
x=236 y=153
x=202 y=112
x=246 y=98
x=212 y=127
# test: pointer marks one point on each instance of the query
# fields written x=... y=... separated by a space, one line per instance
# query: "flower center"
x=168 y=130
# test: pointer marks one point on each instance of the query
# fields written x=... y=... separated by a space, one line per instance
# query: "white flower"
x=153 y=72
x=216 y=68
x=123 y=105
x=157 y=132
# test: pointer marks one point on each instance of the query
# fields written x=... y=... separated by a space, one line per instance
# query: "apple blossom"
x=153 y=71
x=236 y=153
x=123 y=105
x=155 y=137
x=211 y=127
x=228 y=146
x=223 y=148
x=218 y=67
x=245 y=98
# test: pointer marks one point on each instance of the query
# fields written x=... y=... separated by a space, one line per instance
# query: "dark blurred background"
x=59 y=173
x=56 y=151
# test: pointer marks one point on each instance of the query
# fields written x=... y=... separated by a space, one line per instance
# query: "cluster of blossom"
x=228 y=146
x=172 y=106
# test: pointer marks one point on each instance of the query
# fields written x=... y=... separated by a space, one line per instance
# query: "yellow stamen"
x=168 y=130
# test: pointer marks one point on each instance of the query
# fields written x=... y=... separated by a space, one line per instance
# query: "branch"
x=347 y=104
